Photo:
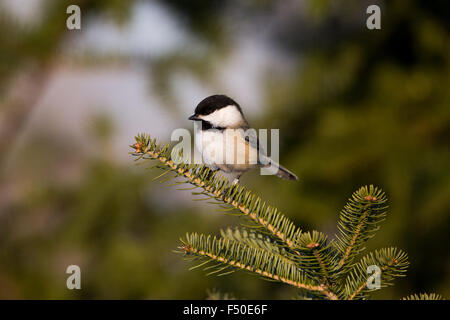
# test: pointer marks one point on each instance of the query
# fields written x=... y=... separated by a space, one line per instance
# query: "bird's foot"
x=233 y=184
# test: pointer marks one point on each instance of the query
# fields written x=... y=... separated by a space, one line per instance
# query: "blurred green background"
x=354 y=107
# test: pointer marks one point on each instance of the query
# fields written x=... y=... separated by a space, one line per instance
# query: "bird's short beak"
x=194 y=117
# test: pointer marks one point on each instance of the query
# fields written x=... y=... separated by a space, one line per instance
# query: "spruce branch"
x=229 y=253
x=273 y=247
x=391 y=262
x=215 y=294
x=252 y=239
x=257 y=240
x=317 y=256
x=358 y=222
x=424 y=296
x=216 y=187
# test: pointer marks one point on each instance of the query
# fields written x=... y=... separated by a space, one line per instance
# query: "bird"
x=226 y=142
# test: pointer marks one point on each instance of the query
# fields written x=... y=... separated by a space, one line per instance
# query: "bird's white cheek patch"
x=226 y=117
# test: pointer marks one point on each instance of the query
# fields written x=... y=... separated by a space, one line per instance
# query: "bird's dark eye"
x=206 y=125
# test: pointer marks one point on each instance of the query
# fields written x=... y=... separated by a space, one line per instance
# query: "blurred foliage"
x=358 y=107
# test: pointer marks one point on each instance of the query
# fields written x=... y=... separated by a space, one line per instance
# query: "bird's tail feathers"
x=285 y=174
x=282 y=172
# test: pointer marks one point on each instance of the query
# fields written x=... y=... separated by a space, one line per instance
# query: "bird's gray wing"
x=263 y=160
x=252 y=139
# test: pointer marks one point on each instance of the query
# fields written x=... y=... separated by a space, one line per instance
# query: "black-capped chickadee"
x=225 y=141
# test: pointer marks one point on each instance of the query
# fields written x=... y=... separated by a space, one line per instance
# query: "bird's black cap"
x=213 y=103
